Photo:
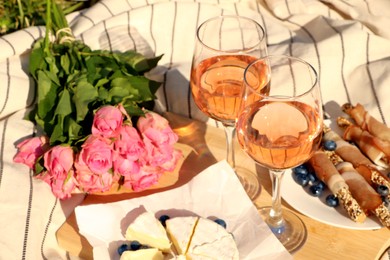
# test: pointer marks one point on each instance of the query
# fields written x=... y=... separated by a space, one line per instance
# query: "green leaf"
x=84 y=93
x=140 y=85
x=154 y=86
x=132 y=108
x=57 y=136
x=99 y=68
x=64 y=106
x=152 y=62
x=52 y=70
x=138 y=61
x=37 y=61
x=47 y=94
x=65 y=63
x=116 y=94
x=101 y=82
x=103 y=94
x=74 y=129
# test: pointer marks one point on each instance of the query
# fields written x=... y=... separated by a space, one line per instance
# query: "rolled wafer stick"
x=367 y=122
x=371 y=146
x=350 y=153
x=369 y=200
x=326 y=171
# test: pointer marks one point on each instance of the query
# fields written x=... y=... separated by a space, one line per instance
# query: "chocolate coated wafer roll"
x=367 y=122
x=326 y=171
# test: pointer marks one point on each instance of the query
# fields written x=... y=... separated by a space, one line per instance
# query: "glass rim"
x=220 y=17
x=311 y=68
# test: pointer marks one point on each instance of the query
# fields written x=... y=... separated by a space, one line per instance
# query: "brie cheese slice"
x=211 y=241
x=148 y=230
x=180 y=230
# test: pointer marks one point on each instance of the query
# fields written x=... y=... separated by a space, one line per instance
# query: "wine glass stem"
x=229 y=133
x=275 y=220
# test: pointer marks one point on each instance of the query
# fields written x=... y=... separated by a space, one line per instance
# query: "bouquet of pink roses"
x=114 y=152
x=93 y=107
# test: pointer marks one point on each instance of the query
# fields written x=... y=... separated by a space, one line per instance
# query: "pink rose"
x=31 y=149
x=170 y=165
x=107 y=122
x=96 y=155
x=129 y=143
x=156 y=155
x=91 y=182
x=125 y=167
x=93 y=165
x=61 y=188
x=58 y=162
x=158 y=138
x=146 y=177
x=156 y=128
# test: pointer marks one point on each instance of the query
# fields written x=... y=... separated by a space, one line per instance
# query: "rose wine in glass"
x=224 y=47
x=281 y=130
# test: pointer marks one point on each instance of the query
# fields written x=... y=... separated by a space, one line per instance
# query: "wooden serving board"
x=194 y=161
x=205 y=145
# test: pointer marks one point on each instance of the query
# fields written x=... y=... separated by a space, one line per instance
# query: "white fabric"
x=348 y=42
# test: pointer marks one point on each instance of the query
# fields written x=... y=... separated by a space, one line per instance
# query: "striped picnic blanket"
x=347 y=42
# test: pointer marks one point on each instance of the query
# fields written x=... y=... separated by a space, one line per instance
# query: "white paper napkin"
x=215 y=192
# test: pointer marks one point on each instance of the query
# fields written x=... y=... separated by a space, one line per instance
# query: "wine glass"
x=280 y=126
x=225 y=46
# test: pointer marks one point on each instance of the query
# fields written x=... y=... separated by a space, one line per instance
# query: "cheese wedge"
x=193 y=238
x=180 y=230
x=211 y=241
x=222 y=248
x=143 y=254
x=201 y=238
x=148 y=230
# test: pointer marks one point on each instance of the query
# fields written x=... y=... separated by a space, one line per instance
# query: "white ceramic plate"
x=315 y=207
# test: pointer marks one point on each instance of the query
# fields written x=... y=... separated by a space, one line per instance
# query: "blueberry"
x=316 y=190
x=220 y=222
x=313 y=179
x=135 y=245
x=301 y=169
x=332 y=200
x=163 y=219
x=330 y=145
x=301 y=179
x=383 y=190
x=122 y=248
x=321 y=184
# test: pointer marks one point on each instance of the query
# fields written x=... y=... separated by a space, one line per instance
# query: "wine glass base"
x=250 y=181
x=292 y=234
